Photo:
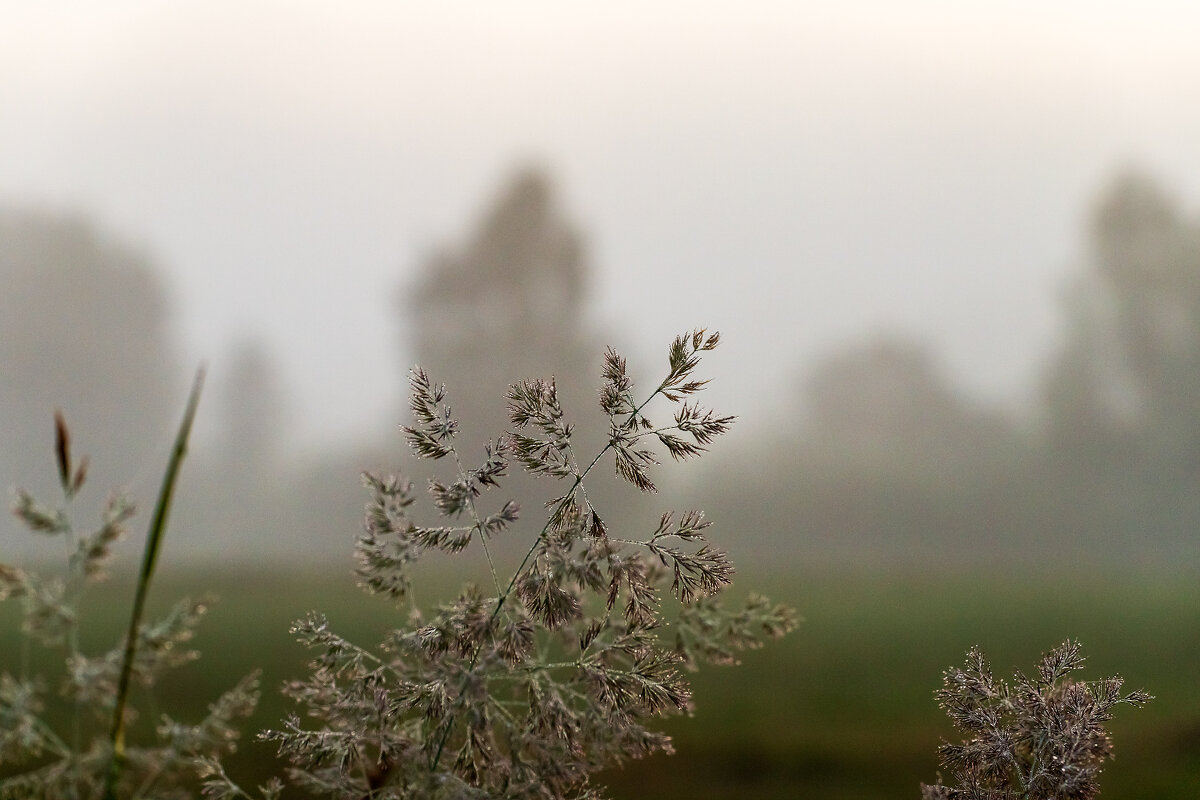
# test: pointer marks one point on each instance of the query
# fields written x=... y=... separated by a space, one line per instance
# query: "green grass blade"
x=158 y=527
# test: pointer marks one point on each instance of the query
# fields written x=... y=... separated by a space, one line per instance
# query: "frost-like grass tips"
x=525 y=689
x=1039 y=738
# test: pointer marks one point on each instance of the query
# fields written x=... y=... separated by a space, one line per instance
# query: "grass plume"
x=557 y=670
x=1039 y=737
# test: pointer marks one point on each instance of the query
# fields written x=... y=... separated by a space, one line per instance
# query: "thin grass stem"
x=158 y=527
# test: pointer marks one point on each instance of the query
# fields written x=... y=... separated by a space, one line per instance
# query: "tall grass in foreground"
x=1037 y=738
x=87 y=756
x=525 y=688
x=528 y=686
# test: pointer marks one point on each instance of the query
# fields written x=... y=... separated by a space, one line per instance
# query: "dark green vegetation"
x=843 y=708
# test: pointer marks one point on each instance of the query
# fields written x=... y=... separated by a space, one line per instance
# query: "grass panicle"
x=557 y=670
x=1031 y=738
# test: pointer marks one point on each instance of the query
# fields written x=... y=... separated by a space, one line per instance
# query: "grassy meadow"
x=843 y=708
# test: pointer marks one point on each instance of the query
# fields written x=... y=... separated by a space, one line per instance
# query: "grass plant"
x=88 y=755
x=1039 y=737
x=552 y=672
x=530 y=685
x=154 y=539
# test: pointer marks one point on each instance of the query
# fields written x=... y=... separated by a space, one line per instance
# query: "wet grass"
x=843 y=708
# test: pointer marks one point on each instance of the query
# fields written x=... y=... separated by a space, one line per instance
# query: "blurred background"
x=953 y=251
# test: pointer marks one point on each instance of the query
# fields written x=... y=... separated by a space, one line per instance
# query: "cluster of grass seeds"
x=526 y=687
x=1036 y=738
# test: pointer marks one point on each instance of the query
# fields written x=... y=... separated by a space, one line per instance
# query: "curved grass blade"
x=158 y=527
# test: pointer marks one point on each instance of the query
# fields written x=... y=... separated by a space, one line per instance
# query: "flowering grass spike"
x=557 y=669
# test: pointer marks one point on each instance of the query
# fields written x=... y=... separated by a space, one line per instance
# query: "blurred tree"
x=885 y=406
x=1123 y=395
x=1125 y=389
x=510 y=304
x=899 y=466
x=252 y=407
x=883 y=462
x=238 y=494
x=84 y=326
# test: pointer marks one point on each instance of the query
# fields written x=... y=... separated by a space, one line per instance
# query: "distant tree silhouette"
x=1125 y=389
x=252 y=408
x=881 y=461
x=509 y=304
x=885 y=405
x=1122 y=396
x=84 y=326
x=242 y=493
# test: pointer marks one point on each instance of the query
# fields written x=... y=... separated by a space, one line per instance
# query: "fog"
x=915 y=183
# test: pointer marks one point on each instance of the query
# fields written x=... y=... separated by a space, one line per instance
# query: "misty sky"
x=799 y=177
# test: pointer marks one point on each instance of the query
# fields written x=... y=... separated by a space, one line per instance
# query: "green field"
x=843 y=708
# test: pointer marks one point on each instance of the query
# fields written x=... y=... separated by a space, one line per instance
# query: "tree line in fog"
x=878 y=459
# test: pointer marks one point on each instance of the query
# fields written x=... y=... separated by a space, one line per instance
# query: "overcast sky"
x=798 y=175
